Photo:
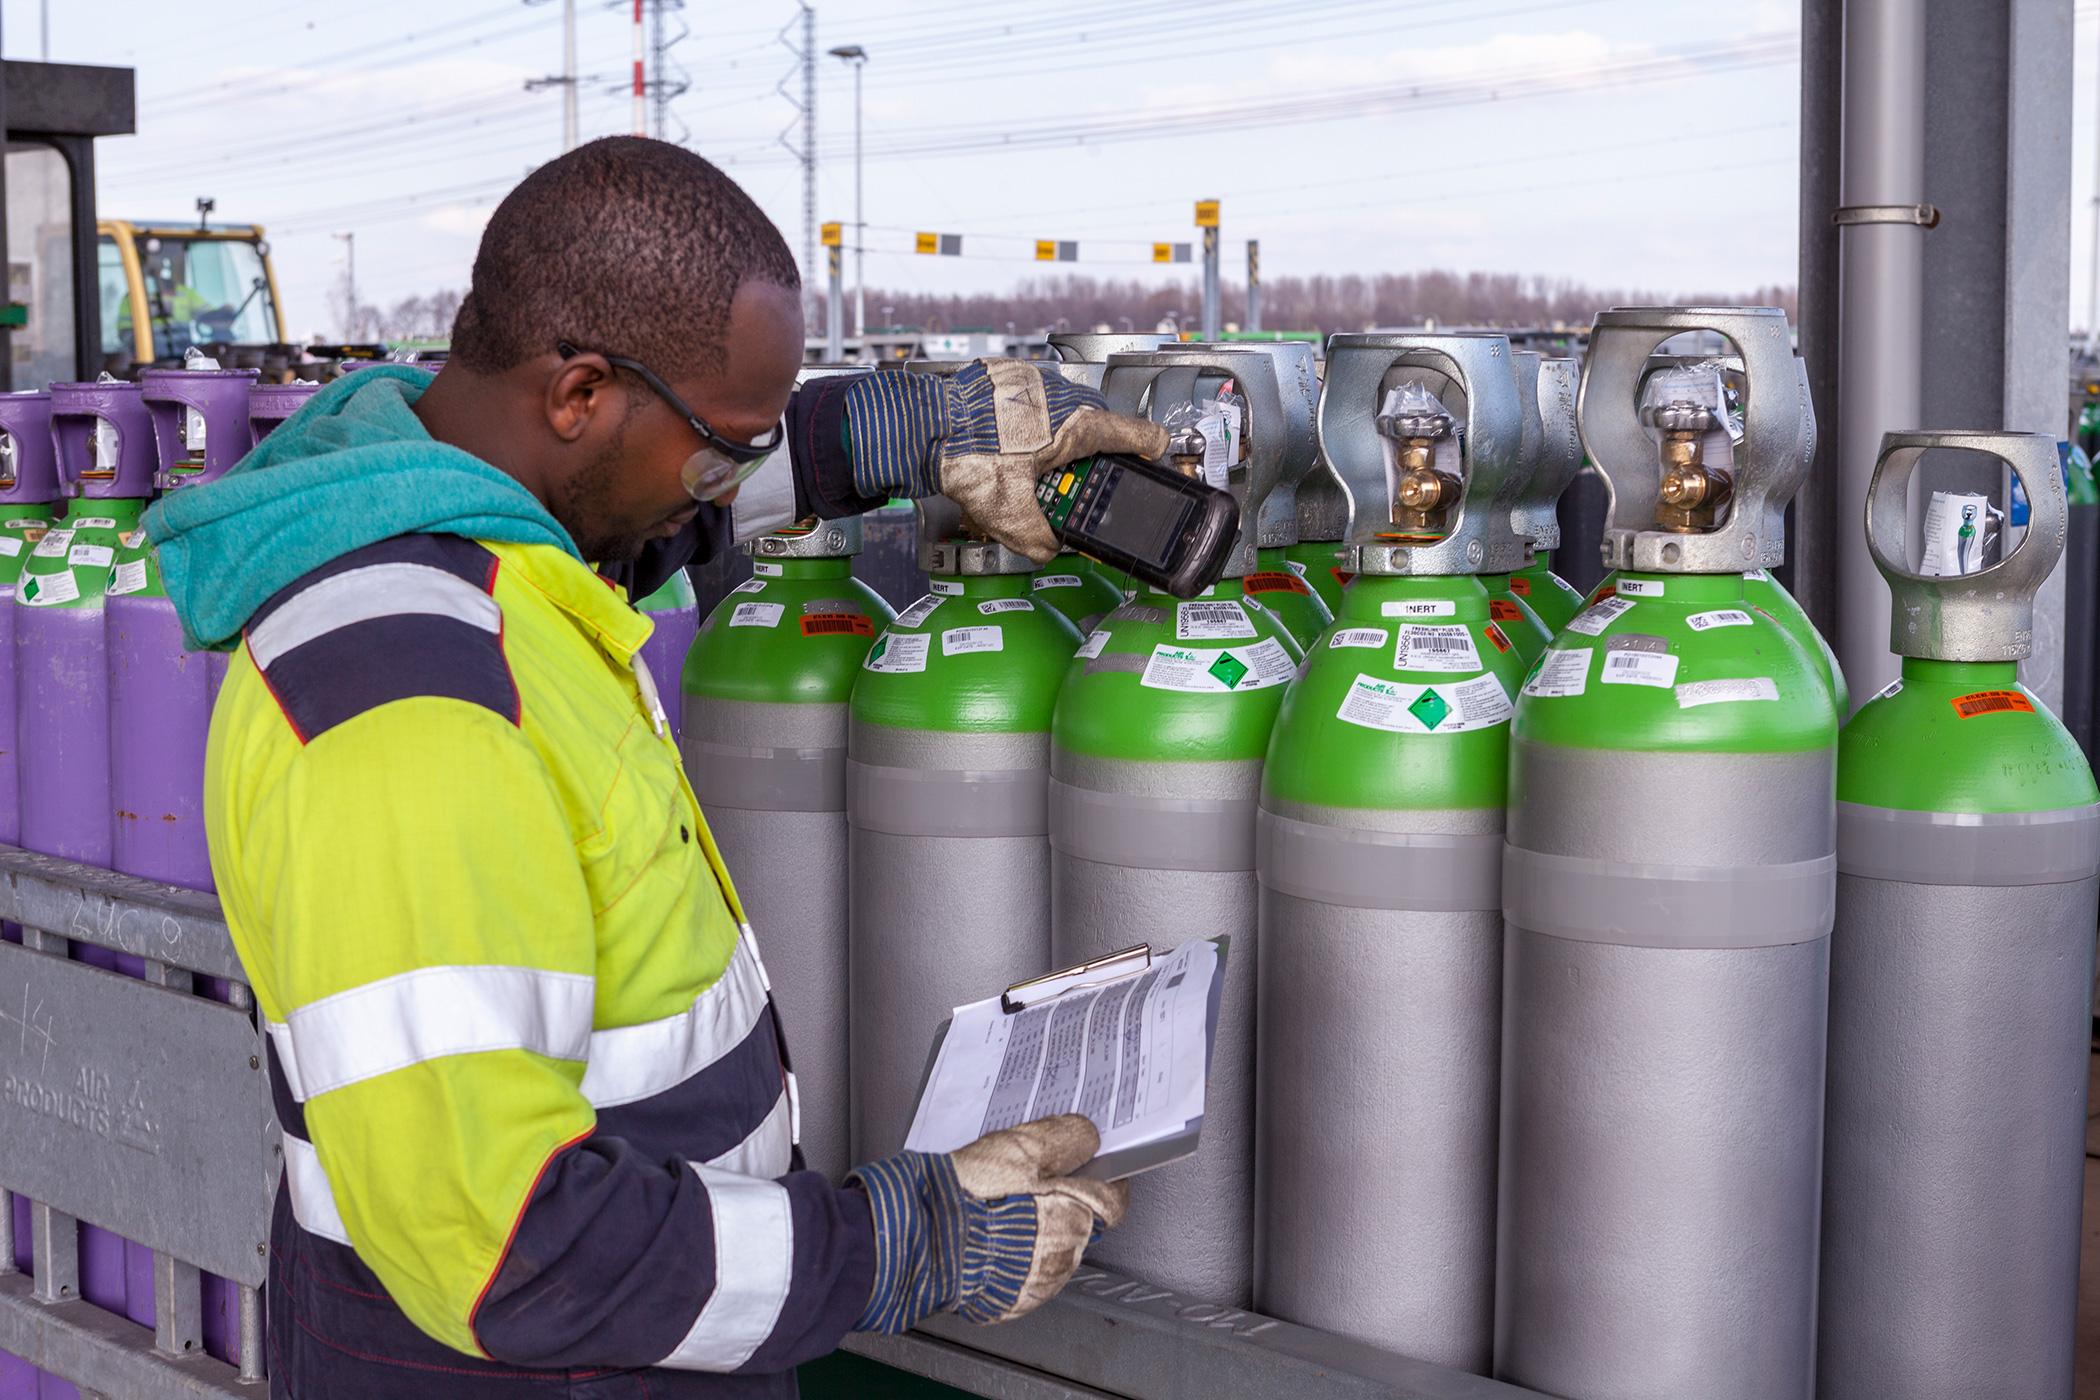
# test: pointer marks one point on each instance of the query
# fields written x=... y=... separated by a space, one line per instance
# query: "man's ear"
x=581 y=388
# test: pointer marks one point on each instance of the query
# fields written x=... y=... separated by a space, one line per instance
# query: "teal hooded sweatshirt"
x=351 y=468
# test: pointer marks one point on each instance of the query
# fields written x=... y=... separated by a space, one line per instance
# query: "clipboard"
x=1140 y=1035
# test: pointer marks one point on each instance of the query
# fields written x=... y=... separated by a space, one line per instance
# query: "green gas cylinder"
x=1769 y=596
x=1960 y=975
x=1549 y=596
x=1280 y=585
x=1552 y=455
x=766 y=685
x=1078 y=587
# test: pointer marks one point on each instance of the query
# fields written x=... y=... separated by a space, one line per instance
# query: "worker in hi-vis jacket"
x=538 y=1121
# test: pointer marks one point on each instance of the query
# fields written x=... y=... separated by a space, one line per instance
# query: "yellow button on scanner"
x=1066 y=485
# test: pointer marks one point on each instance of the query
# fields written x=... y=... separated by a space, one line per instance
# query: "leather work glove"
x=981 y=437
x=991 y=1230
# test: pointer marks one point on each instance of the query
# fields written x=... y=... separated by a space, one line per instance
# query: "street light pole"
x=858 y=57
x=350 y=319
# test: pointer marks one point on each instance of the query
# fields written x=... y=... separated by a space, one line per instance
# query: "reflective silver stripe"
x=754 y=1264
x=377 y=590
x=630 y=1063
x=1152 y=833
x=1669 y=906
x=1969 y=848
x=768 y=1151
x=767 y=779
x=947 y=801
x=433 y=1012
x=313 y=1199
x=1379 y=869
x=766 y=500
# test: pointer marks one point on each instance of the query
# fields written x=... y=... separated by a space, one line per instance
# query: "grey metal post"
x=1213 y=325
x=834 y=309
x=1254 y=284
x=54 y=1246
x=7 y=1231
x=569 y=128
x=1813 y=532
x=1881 y=289
x=860 y=226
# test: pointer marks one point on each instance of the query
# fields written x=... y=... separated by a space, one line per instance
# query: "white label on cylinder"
x=1713 y=692
x=130 y=577
x=1419 y=607
x=1357 y=637
x=1894 y=687
x=1056 y=581
x=10 y=546
x=1432 y=648
x=917 y=613
x=750 y=585
x=1561 y=673
x=1757 y=576
x=136 y=539
x=1091 y=647
x=764 y=570
x=945 y=588
x=92 y=522
x=1295 y=567
x=755 y=615
x=1221 y=621
x=43 y=590
x=892 y=652
x=1593 y=621
x=1640 y=587
x=961 y=641
x=54 y=545
x=1719 y=617
x=1639 y=668
x=93 y=556
x=1000 y=605
x=1214 y=670
x=1443 y=707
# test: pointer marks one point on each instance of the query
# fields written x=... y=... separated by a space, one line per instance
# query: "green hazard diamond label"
x=1430 y=708
x=1229 y=669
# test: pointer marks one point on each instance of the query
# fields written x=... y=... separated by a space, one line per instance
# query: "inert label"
x=1418 y=607
x=1640 y=588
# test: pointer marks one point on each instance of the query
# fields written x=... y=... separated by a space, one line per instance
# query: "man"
x=537 y=1118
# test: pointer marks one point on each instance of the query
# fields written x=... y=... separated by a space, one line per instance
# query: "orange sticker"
x=1341 y=578
x=1270 y=581
x=1503 y=610
x=1494 y=634
x=1609 y=590
x=1520 y=586
x=1990 y=702
x=837 y=624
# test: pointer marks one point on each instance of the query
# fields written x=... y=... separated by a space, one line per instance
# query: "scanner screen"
x=1141 y=517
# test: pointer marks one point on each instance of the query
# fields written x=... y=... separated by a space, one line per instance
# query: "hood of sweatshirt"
x=351 y=468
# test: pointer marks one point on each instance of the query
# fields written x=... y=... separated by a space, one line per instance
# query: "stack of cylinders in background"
x=270 y=404
x=946 y=775
x=675 y=614
x=29 y=487
x=1960 y=976
x=766 y=689
x=1380 y=849
x=1155 y=772
x=1668 y=889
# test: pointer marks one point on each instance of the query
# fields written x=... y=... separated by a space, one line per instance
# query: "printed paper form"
x=1132 y=1055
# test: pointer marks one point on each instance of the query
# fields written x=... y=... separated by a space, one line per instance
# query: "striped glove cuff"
x=896 y=421
x=937 y=1247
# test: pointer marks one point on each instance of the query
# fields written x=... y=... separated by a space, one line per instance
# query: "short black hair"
x=626 y=246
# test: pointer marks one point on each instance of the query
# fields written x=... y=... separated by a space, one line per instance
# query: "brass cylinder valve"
x=1422 y=494
x=1693 y=494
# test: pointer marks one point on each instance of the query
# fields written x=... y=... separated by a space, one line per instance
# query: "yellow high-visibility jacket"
x=538 y=1120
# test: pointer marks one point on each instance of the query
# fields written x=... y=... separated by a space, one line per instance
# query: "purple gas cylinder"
x=104 y=444
x=28 y=488
x=271 y=404
x=675 y=610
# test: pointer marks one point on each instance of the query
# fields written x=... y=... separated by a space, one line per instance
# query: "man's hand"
x=991 y=1230
x=981 y=438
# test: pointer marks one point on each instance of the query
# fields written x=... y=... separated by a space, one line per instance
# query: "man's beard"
x=575 y=506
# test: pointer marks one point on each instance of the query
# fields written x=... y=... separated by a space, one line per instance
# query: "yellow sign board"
x=1162 y=252
x=1046 y=250
x=831 y=236
x=929 y=243
x=1206 y=213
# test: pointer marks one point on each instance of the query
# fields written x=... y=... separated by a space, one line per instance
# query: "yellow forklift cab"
x=167 y=287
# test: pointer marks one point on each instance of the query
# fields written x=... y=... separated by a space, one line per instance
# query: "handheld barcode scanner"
x=1426 y=433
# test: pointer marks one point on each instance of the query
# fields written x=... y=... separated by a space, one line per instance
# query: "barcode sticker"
x=93 y=556
x=1056 y=581
x=1444 y=707
x=1207 y=670
x=917 y=613
x=1419 y=607
x=92 y=522
x=54 y=544
x=1561 y=673
x=1000 y=605
x=1431 y=648
x=130 y=577
x=1720 y=617
x=894 y=653
x=1894 y=687
x=836 y=625
x=945 y=588
x=1295 y=567
x=1091 y=647
x=765 y=570
x=961 y=641
x=750 y=585
x=1357 y=637
x=1639 y=668
x=1991 y=702
x=1595 y=619
x=1504 y=610
x=1520 y=585
x=1714 y=692
x=1640 y=588
x=755 y=615
x=1224 y=620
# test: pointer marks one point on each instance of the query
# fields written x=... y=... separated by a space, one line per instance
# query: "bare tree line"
x=409 y=318
x=1325 y=304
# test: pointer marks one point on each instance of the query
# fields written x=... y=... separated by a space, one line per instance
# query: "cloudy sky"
x=1623 y=143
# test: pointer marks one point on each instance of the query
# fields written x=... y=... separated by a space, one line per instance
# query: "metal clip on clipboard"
x=1037 y=990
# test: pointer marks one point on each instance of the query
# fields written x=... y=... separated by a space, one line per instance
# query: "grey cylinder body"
x=950 y=876
x=1662 y=1102
x=1378 y=1072
x=771 y=779
x=1954 y=1175
x=1191 y=1223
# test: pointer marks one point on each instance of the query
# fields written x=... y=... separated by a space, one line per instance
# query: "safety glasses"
x=721 y=464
